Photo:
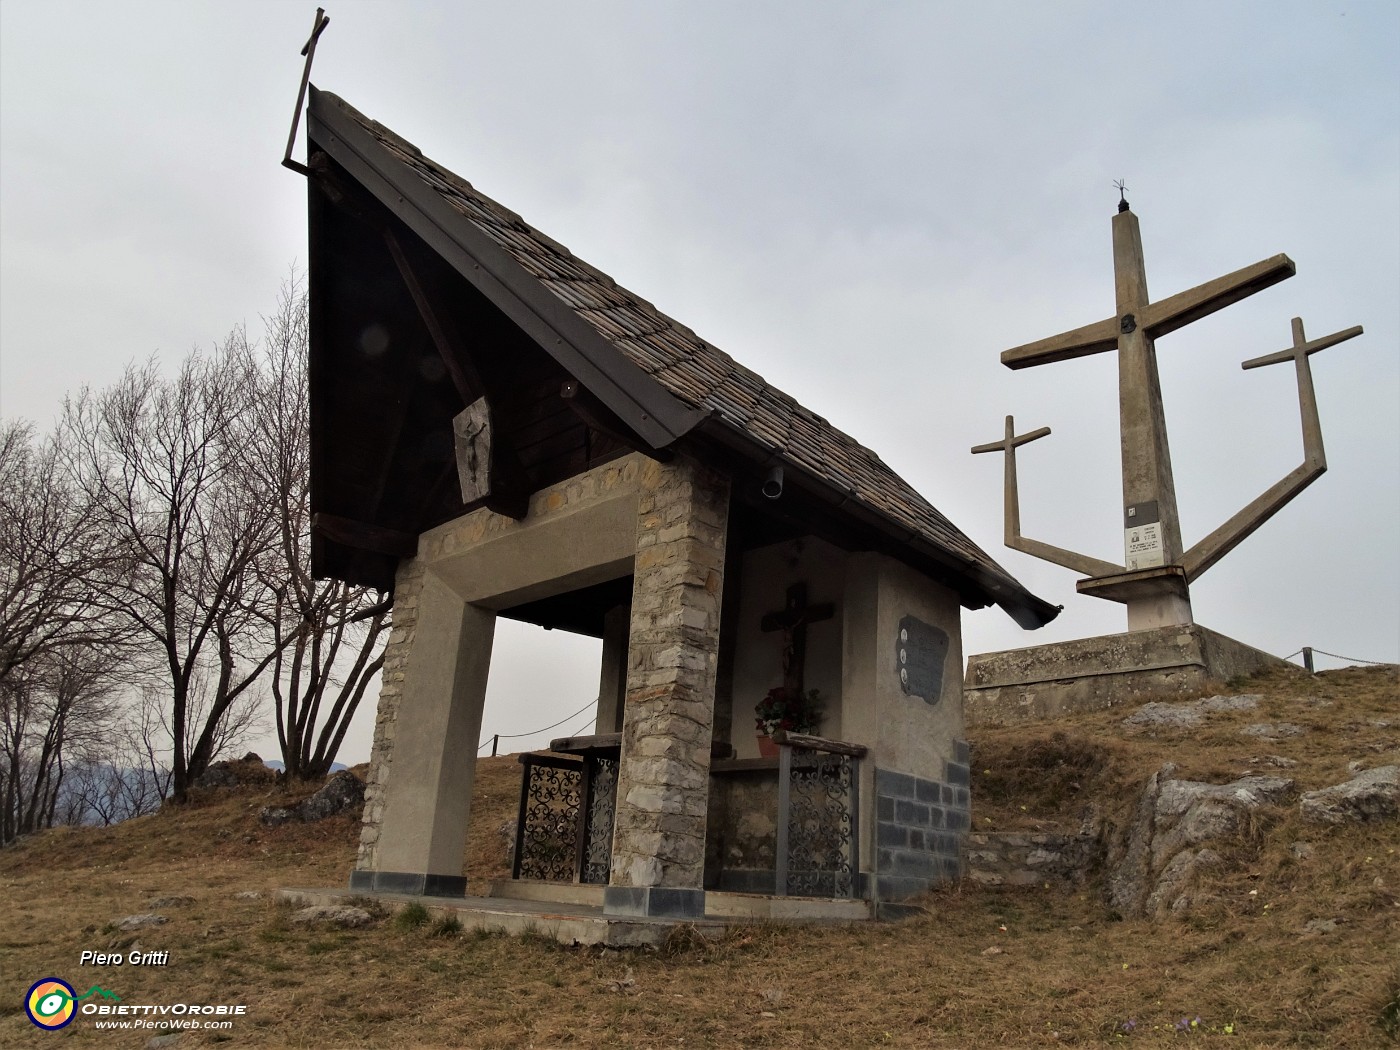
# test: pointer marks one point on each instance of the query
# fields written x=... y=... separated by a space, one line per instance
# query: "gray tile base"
x=920 y=824
x=410 y=882
x=654 y=902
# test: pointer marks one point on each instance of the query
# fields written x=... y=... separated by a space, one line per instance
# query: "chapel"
x=501 y=430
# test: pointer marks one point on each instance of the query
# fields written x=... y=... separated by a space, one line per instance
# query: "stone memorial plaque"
x=921 y=650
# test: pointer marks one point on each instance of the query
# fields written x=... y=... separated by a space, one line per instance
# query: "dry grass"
x=1066 y=973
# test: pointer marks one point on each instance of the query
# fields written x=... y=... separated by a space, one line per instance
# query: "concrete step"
x=568 y=924
x=749 y=907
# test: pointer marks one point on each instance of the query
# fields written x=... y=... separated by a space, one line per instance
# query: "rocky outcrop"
x=342 y=792
x=249 y=769
x=1187 y=714
x=1368 y=796
x=1154 y=863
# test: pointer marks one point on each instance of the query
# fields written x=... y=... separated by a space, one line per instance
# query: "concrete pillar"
x=658 y=856
x=427 y=793
x=612 y=681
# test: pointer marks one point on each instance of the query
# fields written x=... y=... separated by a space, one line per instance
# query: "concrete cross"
x=1153 y=581
x=1013 y=538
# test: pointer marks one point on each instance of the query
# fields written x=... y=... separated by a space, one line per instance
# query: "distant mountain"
x=280 y=766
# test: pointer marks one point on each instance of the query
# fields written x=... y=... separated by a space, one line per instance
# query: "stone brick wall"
x=920 y=827
x=663 y=778
x=1013 y=858
x=408 y=584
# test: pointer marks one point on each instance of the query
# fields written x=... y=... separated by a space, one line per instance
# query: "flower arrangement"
x=793 y=712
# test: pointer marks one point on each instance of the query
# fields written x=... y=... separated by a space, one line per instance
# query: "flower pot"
x=767 y=746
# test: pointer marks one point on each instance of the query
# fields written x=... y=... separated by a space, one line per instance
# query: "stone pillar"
x=658 y=856
x=425 y=746
x=612 y=681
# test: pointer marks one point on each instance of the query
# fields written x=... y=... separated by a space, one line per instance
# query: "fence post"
x=495 y=741
x=1307 y=658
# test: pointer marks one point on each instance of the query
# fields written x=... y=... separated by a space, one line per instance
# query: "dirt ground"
x=981 y=968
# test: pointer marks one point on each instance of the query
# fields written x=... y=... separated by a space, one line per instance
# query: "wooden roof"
x=656 y=383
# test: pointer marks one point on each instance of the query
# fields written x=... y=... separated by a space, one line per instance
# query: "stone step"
x=1031 y=858
x=567 y=924
x=752 y=907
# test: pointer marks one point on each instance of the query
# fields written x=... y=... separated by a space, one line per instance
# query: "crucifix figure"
x=793 y=621
x=1153 y=581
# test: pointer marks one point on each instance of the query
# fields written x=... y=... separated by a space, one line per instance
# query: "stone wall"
x=663 y=775
x=920 y=827
x=1012 y=858
x=1094 y=674
x=408 y=585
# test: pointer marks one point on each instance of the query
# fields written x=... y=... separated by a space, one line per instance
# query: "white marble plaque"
x=1142 y=546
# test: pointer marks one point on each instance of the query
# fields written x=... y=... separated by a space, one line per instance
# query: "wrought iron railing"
x=818 y=847
x=568 y=806
x=564 y=830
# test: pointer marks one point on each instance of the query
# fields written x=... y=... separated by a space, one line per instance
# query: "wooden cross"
x=793 y=621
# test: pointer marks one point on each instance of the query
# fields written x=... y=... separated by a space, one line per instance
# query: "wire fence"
x=1307 y=652
x=494 y=740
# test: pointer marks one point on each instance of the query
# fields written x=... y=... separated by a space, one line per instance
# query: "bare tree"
x=129 y=774
x=328 y=635
x=61 y=652
x=53 y=706
x=159 y=459
x=56 y=562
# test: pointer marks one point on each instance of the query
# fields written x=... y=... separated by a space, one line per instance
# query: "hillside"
x=1282 y=946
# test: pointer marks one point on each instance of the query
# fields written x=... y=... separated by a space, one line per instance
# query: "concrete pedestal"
x=1093 y=674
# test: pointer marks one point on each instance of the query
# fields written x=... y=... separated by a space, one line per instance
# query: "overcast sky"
x=865 y=203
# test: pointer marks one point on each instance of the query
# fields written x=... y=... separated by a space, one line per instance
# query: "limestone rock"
x=218 y=775
x=163 y=1042
x=335 y=914
x=229 y=774
x=1277 y=761
x=1273 y=730
x=140 y=922
x=1153 y=864
x=341 y=792
x=248 y=895
x=1161 y=715
x=1372 y=795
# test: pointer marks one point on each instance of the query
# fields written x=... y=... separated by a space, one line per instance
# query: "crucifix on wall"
x=792 y=620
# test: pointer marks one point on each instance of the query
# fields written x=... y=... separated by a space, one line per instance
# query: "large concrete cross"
x=1154 y=579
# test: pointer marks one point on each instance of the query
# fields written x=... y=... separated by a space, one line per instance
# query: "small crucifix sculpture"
x=793 y=621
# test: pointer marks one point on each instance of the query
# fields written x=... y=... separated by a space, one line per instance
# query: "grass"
x=1066 y=971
